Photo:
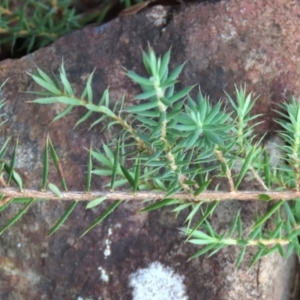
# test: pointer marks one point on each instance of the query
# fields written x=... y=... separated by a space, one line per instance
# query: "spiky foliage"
x=36 y=23
x=172 y=148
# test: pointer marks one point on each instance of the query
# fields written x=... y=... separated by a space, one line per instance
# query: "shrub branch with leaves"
x=168 y=149
x=39 y=23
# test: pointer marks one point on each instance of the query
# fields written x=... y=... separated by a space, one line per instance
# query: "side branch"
x=207 y=196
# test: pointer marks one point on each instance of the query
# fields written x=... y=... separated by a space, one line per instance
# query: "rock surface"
x=226 y=43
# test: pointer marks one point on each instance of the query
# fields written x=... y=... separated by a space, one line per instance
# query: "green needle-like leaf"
x=12 y=163
x=142 y=107
x=256 y=233
x=45 y=165
x=88 y=88
x=164 y=64
x=202 y=242
x=207 y=213
x=95 y=202
x=270 y=212
x=197 y=234
x=4 y=206
x=93 y=107
x=159 y=204
x=108 y=152
x=55 y=190
x=101 y=158
x=181 y=94
x=23 y=200
x=297 y=209
x=293 y=235
x=264 y=197
x=146 y=95
x=244 y=168
x=84 y=118
x=57 y=165
x=102 y=172
x=102 y=216
x=89 y=172
x=202 y=187
x=63 y=113
x=202 y=251
x=191 y=215
x=50 y=86
x=65 y=81
x=63 y=218
x=69 y=100
x=240 y=257
x=18 y=180
x=234 y=225
x=290 y=250
x=257 y=256
x=176 y=72
x=45 y=77
x=139 y=79
x=48 y=100
x=209 y=228
x=16 y=217
x=280 y=250
x=7 y=203
x=277 y=231
x=216 y=250
x=4 y=148
x=107 y=111
x=136 y=176
x=267 y=170
x=174 y=188
x=127 y=176
x=291 y=217
x=115 y=166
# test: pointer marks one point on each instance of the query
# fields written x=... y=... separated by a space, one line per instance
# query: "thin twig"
x=207 y=196
x=258 y=179
x=221 y=159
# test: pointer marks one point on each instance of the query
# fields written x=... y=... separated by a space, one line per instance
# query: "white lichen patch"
x=109 y=231
x=26 y=158
x=157 y=283
x=255 y=57
x=107 y=251
x=157 y=15
x=104 y=276
x=229 y=32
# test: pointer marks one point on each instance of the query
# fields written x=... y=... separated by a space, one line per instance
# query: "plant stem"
x=207 y=196
x=222 y=160
x=256 y=242
x=258 y=179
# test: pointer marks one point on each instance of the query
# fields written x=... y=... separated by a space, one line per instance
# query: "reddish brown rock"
x=227 y=43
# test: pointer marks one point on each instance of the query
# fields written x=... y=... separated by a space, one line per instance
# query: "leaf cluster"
x=172 y=143
x=38 y=23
